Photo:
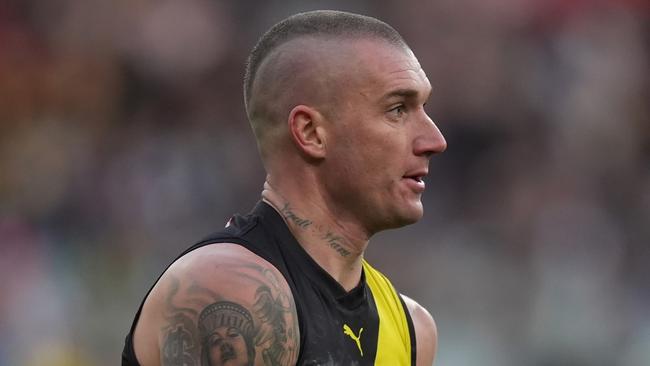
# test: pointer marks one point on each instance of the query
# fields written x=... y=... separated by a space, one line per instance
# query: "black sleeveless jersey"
x=369 y=325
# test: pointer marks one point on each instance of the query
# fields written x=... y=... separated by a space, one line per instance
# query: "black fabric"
x=323 y=305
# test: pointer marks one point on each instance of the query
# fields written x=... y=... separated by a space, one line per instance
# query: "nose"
x=429 y=140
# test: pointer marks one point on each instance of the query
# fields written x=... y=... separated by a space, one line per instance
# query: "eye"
x=215 y=340
x=397 y=111
x=232 y=333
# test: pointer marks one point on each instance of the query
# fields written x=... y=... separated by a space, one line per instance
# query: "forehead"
x=378 y=67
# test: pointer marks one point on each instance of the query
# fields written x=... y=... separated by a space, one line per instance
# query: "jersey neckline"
x=317 y=274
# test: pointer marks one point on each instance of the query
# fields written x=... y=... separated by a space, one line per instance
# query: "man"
x=336 y=102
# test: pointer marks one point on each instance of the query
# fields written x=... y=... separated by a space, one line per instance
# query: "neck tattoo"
x=333 y=241
x=298 y=221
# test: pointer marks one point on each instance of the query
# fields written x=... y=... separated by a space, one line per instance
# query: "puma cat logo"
x=357 y=338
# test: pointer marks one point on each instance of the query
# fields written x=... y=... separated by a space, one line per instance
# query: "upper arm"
x=426 y=332
x=219 y=303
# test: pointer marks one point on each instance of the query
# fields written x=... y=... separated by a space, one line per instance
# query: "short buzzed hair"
x=319 y=23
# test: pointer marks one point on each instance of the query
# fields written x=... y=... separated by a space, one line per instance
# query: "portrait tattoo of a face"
x=226 y=331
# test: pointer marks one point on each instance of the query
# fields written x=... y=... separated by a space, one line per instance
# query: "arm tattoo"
x=274 y=311
x=179 y=347
x=271 y=312
x=226 y=332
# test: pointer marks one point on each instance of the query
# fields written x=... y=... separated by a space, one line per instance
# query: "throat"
x=330 y=249
x=324 y=241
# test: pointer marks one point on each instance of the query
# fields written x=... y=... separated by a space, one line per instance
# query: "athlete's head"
x=292 y=64
x=340 y=96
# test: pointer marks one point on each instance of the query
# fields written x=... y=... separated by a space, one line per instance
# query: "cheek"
x=364 y=160
x=215 y=353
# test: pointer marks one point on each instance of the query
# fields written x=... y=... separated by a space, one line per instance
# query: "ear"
x=307 y=132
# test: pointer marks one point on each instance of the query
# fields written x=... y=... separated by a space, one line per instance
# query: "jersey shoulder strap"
x=396 y=340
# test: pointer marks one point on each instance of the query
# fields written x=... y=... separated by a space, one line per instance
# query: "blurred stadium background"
x=123 y=139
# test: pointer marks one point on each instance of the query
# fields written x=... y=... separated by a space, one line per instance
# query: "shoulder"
x=219 y=303
x=426 y=332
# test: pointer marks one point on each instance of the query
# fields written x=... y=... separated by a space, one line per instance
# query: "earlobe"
x=306 y=131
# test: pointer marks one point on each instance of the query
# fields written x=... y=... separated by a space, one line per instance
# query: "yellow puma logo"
x=357 y=338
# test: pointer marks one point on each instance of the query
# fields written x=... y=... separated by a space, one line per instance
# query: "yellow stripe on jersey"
x=394 y=340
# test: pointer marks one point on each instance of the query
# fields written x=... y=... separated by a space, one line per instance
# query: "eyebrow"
x=405 y=93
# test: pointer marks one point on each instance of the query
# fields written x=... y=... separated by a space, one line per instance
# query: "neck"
x=337 y=246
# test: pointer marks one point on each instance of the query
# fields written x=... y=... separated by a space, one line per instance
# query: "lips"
x=227 y=352
x=417 y=175
x=415 y=180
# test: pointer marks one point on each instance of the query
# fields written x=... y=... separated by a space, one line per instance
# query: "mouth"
x=415 y=181
x=227 y=353
x=417 y=178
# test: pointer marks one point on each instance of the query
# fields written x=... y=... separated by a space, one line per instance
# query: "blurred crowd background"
x=123 y=139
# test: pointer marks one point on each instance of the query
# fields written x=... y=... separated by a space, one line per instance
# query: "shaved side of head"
x=302 y=60
x=301 y=71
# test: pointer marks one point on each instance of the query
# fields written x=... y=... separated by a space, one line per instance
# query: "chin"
x=407 y=216
x=414 y=209
x=413 y=218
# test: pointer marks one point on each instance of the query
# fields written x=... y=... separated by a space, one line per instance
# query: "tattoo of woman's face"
x=226 y=331
x=226 y=346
